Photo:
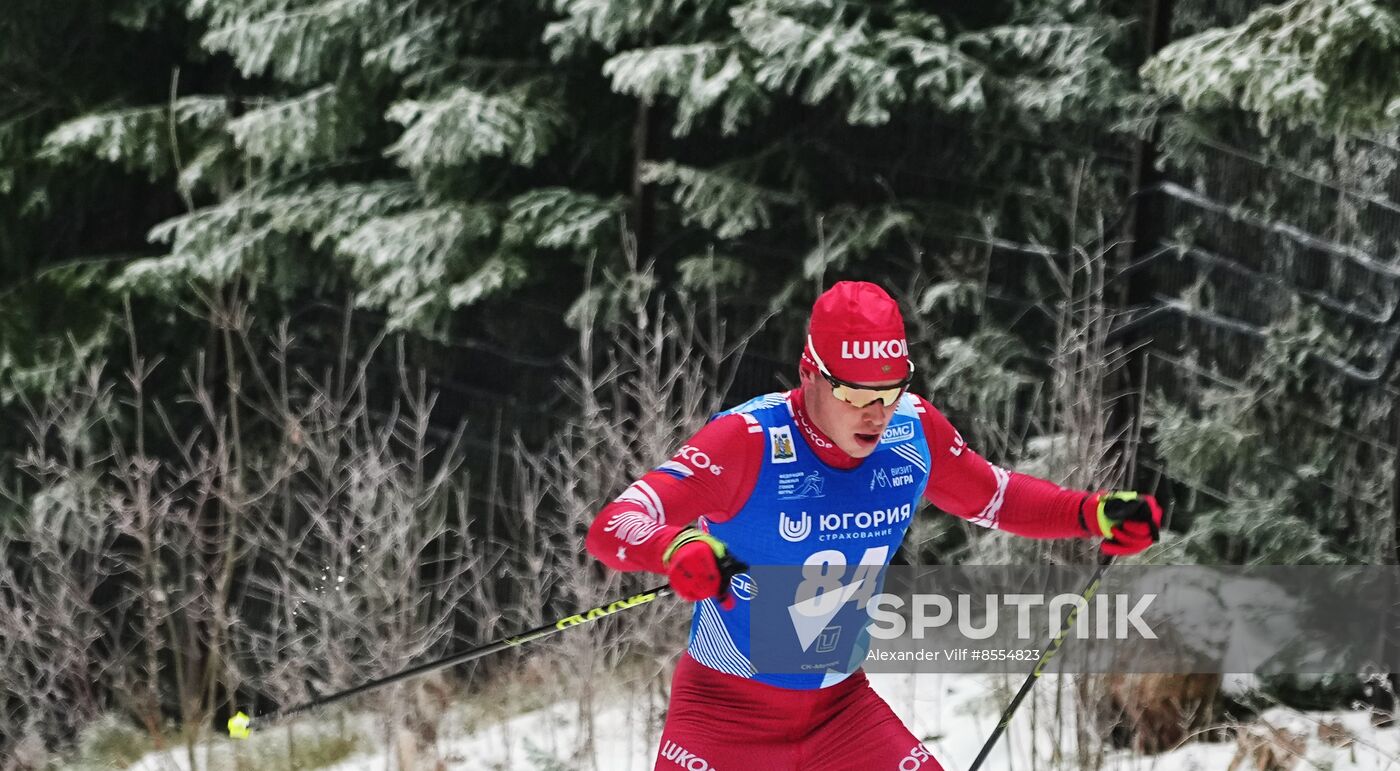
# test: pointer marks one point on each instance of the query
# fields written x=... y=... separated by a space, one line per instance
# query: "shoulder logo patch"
x=780 y=442
x=900 y=433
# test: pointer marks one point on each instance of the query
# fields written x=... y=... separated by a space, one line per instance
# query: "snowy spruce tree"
x=1278 y=147
x=398 y=149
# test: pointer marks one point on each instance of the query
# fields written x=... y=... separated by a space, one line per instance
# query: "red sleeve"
x=711 y=475
x=964 y=484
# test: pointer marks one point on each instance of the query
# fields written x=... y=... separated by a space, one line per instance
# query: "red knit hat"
x=857 y=333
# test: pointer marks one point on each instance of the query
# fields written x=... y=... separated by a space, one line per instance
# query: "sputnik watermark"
x=833 y=616
x=1113 y=617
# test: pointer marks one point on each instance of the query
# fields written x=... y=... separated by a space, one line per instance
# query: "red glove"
x=700 y=567
x=1128 y=522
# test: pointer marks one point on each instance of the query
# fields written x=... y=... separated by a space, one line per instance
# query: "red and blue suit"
x=764 y=480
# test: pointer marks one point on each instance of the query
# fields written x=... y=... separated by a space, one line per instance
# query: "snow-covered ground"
x=954 y=713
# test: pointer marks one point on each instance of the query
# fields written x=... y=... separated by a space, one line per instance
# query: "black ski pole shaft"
x=1050 y=650
x=240 y=724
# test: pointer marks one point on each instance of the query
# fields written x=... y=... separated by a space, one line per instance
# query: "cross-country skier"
x=852 y=437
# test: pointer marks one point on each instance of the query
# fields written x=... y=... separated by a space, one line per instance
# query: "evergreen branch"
x=314 y=126
x=609 y=24
x=1360 y=257
x=405 y=263
x=815 y=62
x=852 y=233
x=42 y=273
x=293 y=45
x=466 y=125
x=495 y=275
x=668 y=69
x=430 y=38
x=557 y=217
x=1197 y=134
x=716 y=201
x=1327 y=62
x=216 y=243
x=136 y=137
x=698 y=75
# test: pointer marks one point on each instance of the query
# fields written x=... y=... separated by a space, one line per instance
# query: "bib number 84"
x=823 y=589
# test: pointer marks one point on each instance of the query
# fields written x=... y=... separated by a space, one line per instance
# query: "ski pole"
x=240 y=724
x=1054 y=647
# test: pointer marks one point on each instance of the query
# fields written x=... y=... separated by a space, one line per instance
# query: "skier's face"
x=855 y=430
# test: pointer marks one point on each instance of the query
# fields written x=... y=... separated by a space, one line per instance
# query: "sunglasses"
x=862 y=396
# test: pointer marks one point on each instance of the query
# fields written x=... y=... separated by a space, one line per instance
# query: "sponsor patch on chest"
x=782 y=449
x=893 y=476
x=801 y=484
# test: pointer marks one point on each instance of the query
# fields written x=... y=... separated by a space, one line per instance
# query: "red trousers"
x=719 y=722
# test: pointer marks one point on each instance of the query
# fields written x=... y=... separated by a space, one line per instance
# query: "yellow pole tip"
x=238 y=726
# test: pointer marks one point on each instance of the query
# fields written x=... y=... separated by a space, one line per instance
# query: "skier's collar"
x=826 y=450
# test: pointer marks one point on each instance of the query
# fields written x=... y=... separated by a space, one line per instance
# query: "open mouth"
x=867 y=438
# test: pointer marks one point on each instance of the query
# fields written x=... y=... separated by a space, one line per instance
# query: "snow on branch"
x=216 y=243
x=314 y=126
x=292 y=45
x=558 y=217
x=403 y=263
x=714 y=200
x=465 y=125
x=817 y=62
x=698 y=75
x=1328 y=62
x=137 y=138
